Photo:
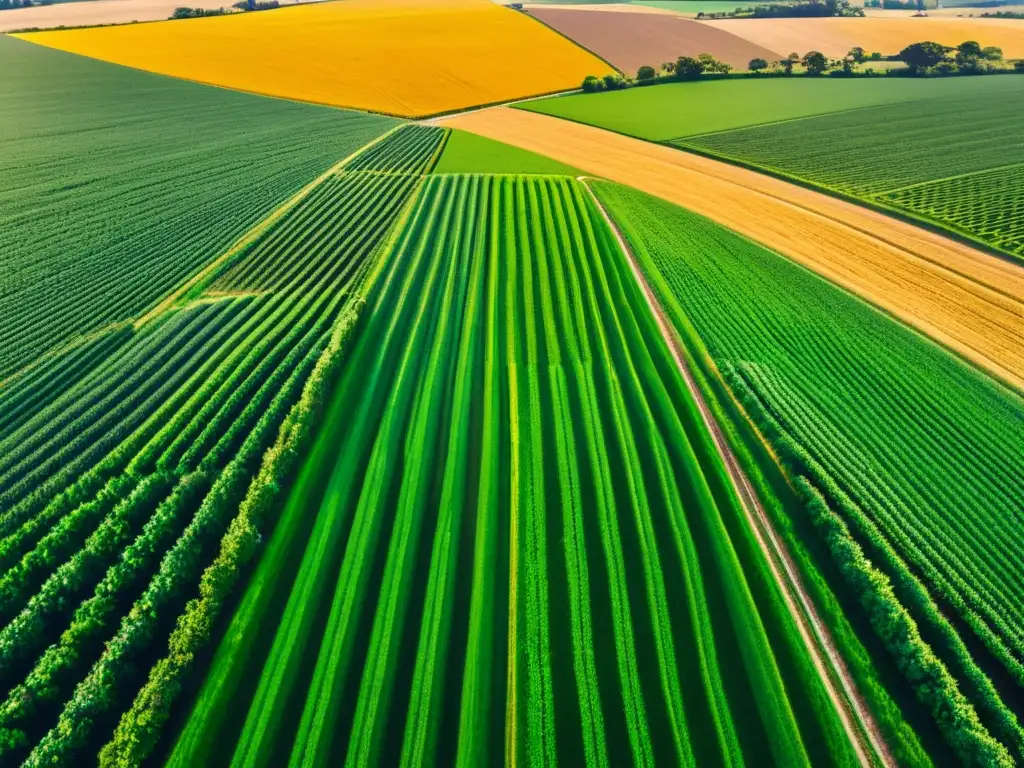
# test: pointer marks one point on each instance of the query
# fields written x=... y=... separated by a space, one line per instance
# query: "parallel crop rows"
x=513 y=539
x=135 y=475
x=989 y=204
x=922 y=456
x=923 y=156
x=118 y=185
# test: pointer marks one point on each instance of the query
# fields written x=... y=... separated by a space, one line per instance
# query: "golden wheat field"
x=403 y=57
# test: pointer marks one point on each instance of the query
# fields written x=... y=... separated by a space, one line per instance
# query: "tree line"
x=925 y=59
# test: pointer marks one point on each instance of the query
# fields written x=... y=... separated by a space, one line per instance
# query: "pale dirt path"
x=967 y=300
x=864 y=734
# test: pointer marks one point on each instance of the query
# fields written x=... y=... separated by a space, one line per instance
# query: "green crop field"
x=908 y=156
x=137 y=472
x=466 y=152
x=118 y=185
x=910 y=448
x=677 y=110
x=470 y=565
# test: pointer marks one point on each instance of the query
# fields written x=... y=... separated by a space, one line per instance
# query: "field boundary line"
x=865 y=734
x=252 y=234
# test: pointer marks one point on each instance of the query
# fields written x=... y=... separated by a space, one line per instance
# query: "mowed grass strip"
x=447 y=586
x=402 y=57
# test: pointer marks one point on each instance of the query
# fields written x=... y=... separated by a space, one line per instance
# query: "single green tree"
x=919 y=56
x=992 y=53
x=815 y=62
x=756 y=65
x=645 y=73
x=857 y=54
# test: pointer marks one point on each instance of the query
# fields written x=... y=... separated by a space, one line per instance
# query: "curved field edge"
x=424 y=285
x=840 y=575
x=947 y=229
x=871 y=255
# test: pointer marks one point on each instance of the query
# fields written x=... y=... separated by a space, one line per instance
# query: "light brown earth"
x=836 y=36
x=967 y=300
x=103 y=12
x=631 y=40
x=603 y=8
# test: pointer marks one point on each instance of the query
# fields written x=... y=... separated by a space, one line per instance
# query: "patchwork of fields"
x=118 y=185
x=911 y=447
x=965 y=299
x=328 y=438
x=400 y=57
x=470 y=564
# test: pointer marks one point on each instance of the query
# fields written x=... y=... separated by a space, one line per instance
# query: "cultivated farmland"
x=118 y=185
x=138 y=472
x=401 y=57
x=969 y=301
x=471 y=567
x=896 y=442
x=905 y=156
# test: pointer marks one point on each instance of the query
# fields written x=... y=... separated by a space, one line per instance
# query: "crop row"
x=120 y=184
x=117 y=492
x=513 y=535
x=920 y=454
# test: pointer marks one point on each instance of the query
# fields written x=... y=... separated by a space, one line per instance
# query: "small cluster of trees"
x=244 y=5
x=929 y=58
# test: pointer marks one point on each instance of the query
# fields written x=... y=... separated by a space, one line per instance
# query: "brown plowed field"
x=967 y=300
x=631 y=40
x=835 y=37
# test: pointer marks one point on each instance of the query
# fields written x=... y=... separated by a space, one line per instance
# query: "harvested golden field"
x=402 y=57
x=965 y=299
x=836 y=36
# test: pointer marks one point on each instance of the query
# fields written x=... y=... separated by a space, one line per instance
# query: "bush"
x=614 y=83
x=1018 y=67
x=592 y=84
x=688 y=68
x=645 y=73
x=756 y=65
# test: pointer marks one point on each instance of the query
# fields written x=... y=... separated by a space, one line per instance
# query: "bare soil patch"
x=631 y=40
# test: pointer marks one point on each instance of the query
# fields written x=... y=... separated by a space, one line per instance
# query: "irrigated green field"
x=138 y=473
x=957 y=161
x=118 y=185
x=514 y=540
x=466 y=152
x=677 y=110
x=895 y=441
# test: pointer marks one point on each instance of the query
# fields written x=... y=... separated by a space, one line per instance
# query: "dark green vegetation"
x=117 y=185
x=139 y=471
x=513 y=537
x=905 y=156
x=678 y=110
x=466 y=152
x=901 y=452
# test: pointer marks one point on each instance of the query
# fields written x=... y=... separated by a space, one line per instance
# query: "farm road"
x=967 y=300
